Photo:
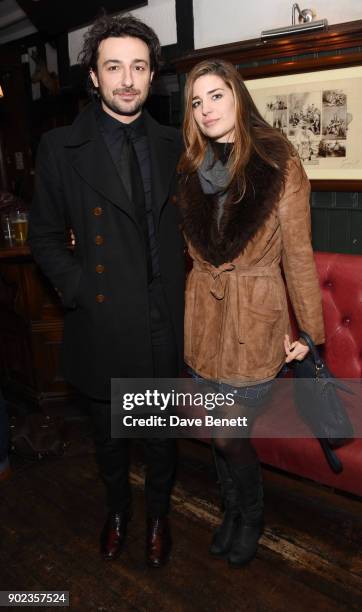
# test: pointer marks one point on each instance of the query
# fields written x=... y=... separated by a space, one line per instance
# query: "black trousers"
x=160 y=454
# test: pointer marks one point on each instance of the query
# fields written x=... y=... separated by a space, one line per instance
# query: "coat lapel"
x=92 y=161
x=165 y=150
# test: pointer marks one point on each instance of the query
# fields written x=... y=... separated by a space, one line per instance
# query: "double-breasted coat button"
x=99 y=240
x=97 y=211
x=100 y=269
x=100 y=298
x=174 y=199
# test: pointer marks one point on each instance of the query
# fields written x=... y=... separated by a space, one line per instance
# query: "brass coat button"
x=173 y=199
x=100 y=269
x=97 y=211
x=99 y=240
x=100 y=298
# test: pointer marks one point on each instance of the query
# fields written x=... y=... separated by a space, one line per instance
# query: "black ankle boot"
x=245 y=543
x=225 y=533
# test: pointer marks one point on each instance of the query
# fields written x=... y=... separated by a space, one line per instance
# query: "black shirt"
x=114 y=133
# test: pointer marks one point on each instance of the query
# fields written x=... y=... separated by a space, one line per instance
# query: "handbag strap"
x=334 y=462
x=312 y=347
x=320 y=365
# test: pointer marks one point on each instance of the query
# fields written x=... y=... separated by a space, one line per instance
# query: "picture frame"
x=320 y=112
x=338 y=47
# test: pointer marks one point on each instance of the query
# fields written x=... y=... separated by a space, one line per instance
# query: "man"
x=110 y=177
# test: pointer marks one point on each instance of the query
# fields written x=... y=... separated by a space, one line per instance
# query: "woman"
x=244 y=199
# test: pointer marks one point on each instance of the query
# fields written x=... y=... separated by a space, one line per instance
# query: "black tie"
x=133 y=183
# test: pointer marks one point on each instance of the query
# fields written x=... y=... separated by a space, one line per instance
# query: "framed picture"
x=321 y=114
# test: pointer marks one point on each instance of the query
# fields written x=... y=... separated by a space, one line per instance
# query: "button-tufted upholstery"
x=341 y=283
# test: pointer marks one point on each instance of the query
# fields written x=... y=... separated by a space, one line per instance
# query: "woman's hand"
x=295 y=350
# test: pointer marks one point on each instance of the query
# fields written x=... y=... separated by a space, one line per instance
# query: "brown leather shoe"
x=158 y=542
x=113 y=535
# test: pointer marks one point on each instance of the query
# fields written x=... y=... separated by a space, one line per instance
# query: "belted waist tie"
x=219 y=276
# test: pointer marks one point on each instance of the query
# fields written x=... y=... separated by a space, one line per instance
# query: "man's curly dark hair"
x=107 y=26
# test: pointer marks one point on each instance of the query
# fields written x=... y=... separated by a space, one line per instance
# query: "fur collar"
x=239 y=223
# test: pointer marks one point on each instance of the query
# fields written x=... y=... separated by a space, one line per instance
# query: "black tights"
x=238 y=451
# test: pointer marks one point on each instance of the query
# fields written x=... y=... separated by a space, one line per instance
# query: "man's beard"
x=122 y=108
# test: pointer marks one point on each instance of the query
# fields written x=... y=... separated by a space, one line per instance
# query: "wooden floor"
x=51 y=512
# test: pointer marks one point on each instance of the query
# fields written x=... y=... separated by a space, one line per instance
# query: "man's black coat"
x=103 y=284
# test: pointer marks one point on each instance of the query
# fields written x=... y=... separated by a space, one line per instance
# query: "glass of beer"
x=19 y=223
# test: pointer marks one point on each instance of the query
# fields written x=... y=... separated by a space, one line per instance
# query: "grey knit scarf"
x=214 y=177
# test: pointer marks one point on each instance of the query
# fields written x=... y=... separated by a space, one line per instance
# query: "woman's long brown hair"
x=252 y=132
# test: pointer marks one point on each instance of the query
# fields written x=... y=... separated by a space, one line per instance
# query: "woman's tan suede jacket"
x=236 y=307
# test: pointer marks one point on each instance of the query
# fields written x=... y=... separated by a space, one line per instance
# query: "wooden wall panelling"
x=31 y=330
